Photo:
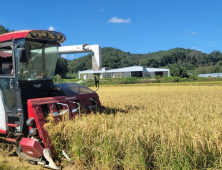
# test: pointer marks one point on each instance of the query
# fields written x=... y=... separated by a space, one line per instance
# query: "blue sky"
x=136 y=26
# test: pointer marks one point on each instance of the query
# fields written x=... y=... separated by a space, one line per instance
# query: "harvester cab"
x=27 y=92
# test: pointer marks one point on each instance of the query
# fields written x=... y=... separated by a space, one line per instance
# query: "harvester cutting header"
x=27 y=92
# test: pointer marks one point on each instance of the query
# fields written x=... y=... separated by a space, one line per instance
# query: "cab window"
x=6 y=63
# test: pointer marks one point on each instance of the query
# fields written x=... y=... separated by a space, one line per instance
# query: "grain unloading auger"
x=28 y=94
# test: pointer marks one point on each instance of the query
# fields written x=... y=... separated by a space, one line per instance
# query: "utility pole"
x=195 y=71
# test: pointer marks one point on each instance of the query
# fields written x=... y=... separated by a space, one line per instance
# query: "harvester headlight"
x=30 y=122
x=53 y=35
x=45 y=35
x=33 y=132
x=34 y=34
x=59 y=37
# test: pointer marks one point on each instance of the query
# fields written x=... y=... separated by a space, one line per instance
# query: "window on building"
x=159 y=73
x=136 y=74
x=165 y=73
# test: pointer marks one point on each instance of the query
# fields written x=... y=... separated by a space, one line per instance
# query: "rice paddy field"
x=146 y=127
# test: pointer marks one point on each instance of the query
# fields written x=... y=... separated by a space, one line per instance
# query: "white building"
x=133 y=71
x=213 y=75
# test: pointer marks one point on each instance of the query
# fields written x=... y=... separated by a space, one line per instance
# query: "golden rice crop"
x=147 y=127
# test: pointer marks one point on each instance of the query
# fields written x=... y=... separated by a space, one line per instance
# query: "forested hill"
x=187 y=59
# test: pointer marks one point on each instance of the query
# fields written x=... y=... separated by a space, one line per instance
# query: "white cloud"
x=193 y=48
x=63 y=55
x=119 y=20
x=72 y=56
x=191 y=33
x=196 y=48
x=212 y=44
x=101 y=10
x=51 y=28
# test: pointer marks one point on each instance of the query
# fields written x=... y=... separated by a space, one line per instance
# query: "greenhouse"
x=213 y=75
x=134 y=71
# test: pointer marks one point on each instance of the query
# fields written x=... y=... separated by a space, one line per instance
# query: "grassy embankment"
x=147 y=127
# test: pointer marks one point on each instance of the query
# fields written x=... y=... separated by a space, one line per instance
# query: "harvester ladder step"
x=12 y=125
x=9 y=139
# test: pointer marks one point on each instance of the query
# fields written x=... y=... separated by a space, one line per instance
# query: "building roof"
x=157 y=69
x=125 y=69
x=93 y=71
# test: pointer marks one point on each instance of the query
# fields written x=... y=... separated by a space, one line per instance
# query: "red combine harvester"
x=27 y=92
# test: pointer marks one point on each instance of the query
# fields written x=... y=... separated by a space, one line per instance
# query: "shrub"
x=156 y=81
x=176 y=79
x=57 y=79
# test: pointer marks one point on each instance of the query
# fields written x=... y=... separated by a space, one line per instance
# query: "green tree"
x=177 y=70
x=3 y=30
x=61 y=67
x=216 y=69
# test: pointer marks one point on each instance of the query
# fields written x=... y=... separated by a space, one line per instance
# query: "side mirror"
x=22 y=55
